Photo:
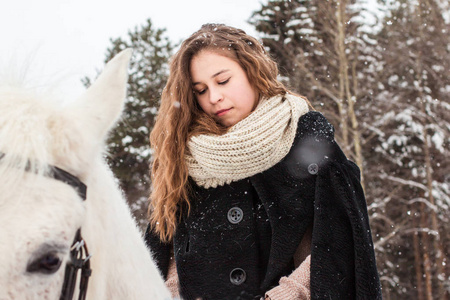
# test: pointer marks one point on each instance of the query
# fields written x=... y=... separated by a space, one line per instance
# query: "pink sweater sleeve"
x=296 y=285
x=172 y=279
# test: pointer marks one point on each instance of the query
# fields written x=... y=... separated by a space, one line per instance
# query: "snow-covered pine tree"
x=325 y=49
x=410 y=138
x=345 y=53
x=129 y=141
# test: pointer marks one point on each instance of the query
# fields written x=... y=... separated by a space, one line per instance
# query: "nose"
x=215 y=95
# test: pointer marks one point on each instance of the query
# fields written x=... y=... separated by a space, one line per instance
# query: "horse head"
x=40 y=213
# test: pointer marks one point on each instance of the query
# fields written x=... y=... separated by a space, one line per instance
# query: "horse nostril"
x=46 y=264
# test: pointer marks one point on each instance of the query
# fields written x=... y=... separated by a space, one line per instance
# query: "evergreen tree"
x=129 y=144
x=411 y=149
x=324 y=50
x=287 y=30
x=383 y=82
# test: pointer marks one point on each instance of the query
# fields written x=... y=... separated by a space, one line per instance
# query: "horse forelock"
x=34 y=133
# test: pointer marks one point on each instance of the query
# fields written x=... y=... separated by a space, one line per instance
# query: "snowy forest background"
x=379 y=73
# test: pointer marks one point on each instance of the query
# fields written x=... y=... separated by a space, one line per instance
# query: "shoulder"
x=314 y=137
x=314 y=124
x=313 y=147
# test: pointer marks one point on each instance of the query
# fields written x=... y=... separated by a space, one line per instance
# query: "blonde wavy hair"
x=180 y=117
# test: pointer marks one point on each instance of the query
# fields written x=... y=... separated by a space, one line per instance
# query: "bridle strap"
x=79 y=254
x=64 y=176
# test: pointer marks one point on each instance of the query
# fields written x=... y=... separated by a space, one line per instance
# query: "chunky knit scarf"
x=251 y=146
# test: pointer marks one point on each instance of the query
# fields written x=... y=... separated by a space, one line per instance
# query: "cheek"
x=248 y=97
x=201 y=102
x=50 y=288
x=204 y=105
x=35 y=287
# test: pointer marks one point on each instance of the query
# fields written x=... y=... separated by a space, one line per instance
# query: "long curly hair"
x=180 y=117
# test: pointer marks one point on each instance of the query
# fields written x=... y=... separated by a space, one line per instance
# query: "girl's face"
x=222 y=88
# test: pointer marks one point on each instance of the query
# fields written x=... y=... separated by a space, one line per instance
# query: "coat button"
x=235 y=215
x=238 y=276
x=313 y=169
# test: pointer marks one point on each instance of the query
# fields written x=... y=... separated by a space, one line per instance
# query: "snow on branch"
x=405 y=182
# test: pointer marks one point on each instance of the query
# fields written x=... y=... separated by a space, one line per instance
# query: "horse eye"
x=46 y=264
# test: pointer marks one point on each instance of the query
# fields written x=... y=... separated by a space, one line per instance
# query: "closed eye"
x=225 y=81
x=201 y=92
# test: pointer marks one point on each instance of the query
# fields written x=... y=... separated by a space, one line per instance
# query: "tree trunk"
x=426 y=255
x=418 y=261
x=345 y=90
x=437 y=245
x=354 y=121
x=340 y=49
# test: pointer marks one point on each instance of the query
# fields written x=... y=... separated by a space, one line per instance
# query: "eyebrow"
x=214 y=75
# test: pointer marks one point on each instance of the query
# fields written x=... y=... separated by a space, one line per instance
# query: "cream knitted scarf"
x=251 y=146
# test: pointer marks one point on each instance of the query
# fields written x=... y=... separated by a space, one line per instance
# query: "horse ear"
x=101 y=105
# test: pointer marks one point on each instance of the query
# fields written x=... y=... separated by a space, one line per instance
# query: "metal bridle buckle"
x=79 y=260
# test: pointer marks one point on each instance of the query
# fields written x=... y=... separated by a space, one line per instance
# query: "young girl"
x=252 y=198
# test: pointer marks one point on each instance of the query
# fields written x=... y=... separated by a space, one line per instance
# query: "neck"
x=251 y=146
x=121 y=263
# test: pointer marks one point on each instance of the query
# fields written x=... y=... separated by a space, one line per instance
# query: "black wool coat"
x=240 y=239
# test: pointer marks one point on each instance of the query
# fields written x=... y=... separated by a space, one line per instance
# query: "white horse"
x=41 y=207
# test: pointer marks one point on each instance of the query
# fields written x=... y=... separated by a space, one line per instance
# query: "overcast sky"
x=61 y=41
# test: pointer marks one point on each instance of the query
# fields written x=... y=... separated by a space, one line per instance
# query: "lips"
x=222 y=112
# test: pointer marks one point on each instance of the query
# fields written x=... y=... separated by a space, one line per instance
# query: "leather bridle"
x=79 y=255
x=79 y=260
